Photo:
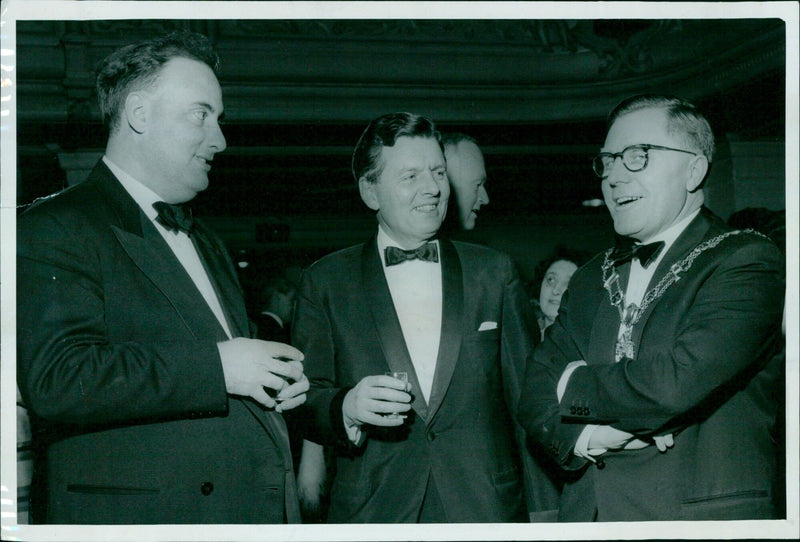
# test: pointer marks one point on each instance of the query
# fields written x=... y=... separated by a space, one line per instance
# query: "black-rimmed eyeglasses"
x=634 y=158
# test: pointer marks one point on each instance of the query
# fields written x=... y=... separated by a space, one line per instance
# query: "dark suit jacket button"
x=206 y=488
x=431 y=436
x=572 y=410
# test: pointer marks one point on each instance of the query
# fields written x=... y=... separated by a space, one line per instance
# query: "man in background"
x=274 y=316
x=134 y=355
x=467 y=175
x=656 y=383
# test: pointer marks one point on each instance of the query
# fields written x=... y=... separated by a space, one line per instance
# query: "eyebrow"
x=208 y=106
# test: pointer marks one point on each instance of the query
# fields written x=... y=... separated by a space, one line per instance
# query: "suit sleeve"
x=723 y=336
x=69 y=369
x=520 y=333
x=312 y=334
x=538 y=405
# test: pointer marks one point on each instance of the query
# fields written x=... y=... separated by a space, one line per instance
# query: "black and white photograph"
x=344 y=271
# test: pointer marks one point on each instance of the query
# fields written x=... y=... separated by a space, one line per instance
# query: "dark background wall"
x=534 y=93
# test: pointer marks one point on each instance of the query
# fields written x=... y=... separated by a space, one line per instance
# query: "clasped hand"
x=252 y=366
x=375 y=399
x=605 y=438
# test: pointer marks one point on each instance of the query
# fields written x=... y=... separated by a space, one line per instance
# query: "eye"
x=550 y=280
x=440 y=174
x=200 y=114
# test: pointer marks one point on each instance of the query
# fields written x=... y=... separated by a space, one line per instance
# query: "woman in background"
x=551 y=278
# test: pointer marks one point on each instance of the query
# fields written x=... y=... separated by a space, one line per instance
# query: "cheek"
x=606 y=191
x=544 y=292
x=444 y=189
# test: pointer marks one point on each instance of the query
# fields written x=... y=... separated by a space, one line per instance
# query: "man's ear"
x=136 y=112
x=367 y=191
x=697 y=169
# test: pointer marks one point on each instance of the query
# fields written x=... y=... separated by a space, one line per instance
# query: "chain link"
x=617 y=298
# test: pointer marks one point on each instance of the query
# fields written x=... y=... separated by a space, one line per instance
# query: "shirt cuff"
x=354 y=432
x=582 y=444
x=562 y=382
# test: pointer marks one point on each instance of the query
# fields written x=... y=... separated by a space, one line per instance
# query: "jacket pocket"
x=92 y=489
x=506 y=477
x=749 y=504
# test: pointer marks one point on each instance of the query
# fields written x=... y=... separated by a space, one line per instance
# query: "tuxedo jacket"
x=703 y=369
x=269 y=329
x=463 y=437
x=117 y=360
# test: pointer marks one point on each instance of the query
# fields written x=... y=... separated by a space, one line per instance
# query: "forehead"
x=642 y=126
x=412 y=152
x=190 y=80
x=470 y=155
x=562 y=267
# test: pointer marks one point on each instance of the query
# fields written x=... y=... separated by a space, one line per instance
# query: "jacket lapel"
x=223 y=279
x=605 y=328
x=686 y=241
x=452 y=325
x=379 y=300
x=151 y=254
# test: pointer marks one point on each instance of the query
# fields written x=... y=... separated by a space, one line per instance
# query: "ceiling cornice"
x=503 y=71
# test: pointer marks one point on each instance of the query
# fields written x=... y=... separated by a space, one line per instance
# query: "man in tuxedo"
x=467 y=174
x=133 y=348
x=452 y=316
x=656 y=385
x=274 y=315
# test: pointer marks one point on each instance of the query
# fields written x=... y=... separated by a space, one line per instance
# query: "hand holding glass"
x=403 y=377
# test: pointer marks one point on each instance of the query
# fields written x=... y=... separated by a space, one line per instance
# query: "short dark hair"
x=560 y=252
x=137 y=66
x=683 y=118
x=383 y=132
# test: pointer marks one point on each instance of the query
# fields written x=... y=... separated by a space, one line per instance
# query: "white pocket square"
x=486 y=326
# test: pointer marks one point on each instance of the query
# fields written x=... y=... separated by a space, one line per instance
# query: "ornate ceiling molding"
x=455 y=71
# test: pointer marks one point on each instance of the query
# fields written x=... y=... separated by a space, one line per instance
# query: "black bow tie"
x=627 y=250
x=427 y=252
x=175 y=217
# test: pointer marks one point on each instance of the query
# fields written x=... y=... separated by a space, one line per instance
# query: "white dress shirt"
x=416 y=288
x=179 y=241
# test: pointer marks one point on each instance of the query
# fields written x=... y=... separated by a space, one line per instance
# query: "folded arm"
x=719 y=342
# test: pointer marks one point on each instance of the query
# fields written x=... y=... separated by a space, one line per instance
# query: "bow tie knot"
x=428 y=252
x=625 y=252
x=174 y=217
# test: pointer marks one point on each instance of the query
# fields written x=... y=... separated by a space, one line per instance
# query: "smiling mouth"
x=426 y=208
x=626 y=200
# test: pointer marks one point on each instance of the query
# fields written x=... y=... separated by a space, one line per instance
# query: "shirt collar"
x=672 y=233
x=141 y=194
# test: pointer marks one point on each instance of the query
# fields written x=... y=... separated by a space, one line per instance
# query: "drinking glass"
x=399 y=375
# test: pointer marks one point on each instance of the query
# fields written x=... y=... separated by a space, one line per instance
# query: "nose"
x=483 y=196
x=617 y=172
x=429 y=183
x=216 y=138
